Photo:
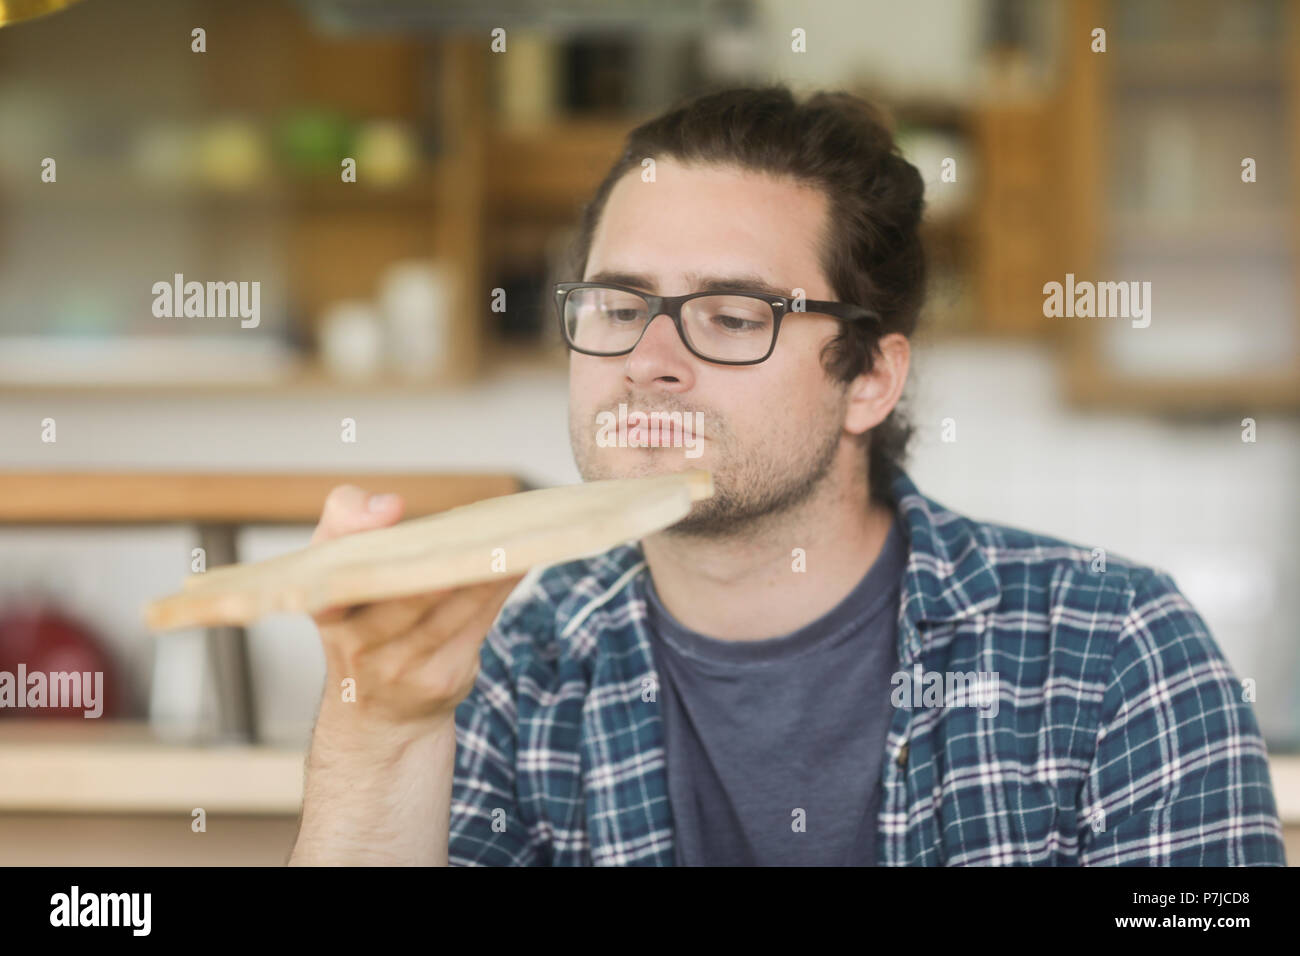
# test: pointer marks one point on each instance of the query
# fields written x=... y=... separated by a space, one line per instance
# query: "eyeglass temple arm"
x=841 y=310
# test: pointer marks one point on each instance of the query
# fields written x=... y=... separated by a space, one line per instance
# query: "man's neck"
x=750 y=586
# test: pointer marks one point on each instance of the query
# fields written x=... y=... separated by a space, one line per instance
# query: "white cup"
x=352 y=340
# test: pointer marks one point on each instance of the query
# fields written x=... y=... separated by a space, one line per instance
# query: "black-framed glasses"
x=728 y=328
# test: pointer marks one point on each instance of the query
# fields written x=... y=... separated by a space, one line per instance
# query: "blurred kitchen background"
x=413 y=301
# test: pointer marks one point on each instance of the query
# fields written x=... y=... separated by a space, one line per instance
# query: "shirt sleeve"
x=1180 y=775
x=486 y=828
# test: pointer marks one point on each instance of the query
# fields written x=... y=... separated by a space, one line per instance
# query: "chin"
x=639 y=463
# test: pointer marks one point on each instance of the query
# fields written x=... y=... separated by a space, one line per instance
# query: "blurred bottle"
x=733 y=45
x=312 y=142
x=388 y=153
x=232 y=154
x=352 y=341
x=529 y=78
x=416 y=298
x=166 y=154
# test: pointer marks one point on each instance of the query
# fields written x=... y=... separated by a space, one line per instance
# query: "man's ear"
x=873 y=395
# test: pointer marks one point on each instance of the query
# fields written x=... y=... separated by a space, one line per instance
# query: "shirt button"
x=902 y=755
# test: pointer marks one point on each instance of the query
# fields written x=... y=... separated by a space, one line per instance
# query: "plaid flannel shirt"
x=1120 y=736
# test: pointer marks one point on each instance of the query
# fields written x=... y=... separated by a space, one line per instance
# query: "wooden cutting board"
x=498 y=537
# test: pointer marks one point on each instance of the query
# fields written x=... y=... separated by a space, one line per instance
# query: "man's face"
x=770 y=433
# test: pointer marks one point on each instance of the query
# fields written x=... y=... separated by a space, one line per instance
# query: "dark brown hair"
x=871 y=252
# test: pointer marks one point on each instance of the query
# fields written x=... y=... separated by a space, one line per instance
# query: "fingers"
x=460 y=624
x=382 y=619
x=427 y=667
x=349 y=509
x=463 y=605
x=447 y=609
x=482 y=617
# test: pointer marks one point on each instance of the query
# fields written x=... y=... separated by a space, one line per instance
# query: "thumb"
x=350 y=509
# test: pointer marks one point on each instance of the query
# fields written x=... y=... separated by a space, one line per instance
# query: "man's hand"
x=412 y=659
x=380 y=770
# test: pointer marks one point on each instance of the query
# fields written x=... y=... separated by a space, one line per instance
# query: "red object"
x=39 y=638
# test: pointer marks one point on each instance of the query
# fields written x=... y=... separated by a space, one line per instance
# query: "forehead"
x=715 y=220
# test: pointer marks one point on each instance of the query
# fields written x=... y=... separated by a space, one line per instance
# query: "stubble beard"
x=758 y=492
x=749 y=489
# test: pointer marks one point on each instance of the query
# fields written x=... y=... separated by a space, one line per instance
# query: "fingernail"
x=381 y=502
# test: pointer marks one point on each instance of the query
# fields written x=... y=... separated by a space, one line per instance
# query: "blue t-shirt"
x=773 y=747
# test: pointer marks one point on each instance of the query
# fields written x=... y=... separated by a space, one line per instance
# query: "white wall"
x=1218 y=514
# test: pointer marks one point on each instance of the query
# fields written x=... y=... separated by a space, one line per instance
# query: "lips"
x=666 y=433
x=666 y=436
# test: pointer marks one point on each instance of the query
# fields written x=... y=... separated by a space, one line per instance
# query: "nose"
x=660 y=358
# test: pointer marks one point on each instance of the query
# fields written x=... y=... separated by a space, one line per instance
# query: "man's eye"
x=734 y=323
x=622 y=315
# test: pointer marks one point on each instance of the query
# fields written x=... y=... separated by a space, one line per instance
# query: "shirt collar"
x=949 y=576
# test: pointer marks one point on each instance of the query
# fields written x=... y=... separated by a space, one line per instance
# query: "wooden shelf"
x=114 y=767
x=234 y=498
x=1089 y=384
x=313 y=379
x=124 y=192
x=1227 y=232
x=1176 y=68
x=1284 y=769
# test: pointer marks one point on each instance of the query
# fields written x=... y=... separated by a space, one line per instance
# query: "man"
x=819 y=665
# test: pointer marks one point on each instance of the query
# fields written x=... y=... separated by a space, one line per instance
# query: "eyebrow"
x=735 y=283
